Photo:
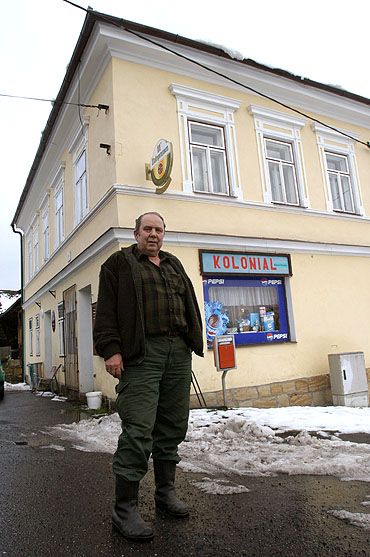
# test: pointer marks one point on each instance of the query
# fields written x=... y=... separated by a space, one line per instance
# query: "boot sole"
x=147 y=538
x=165 y=510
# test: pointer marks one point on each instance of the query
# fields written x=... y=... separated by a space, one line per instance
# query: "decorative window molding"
x=45 y=231
x=281 y=157
x=59 y=215
x=35 y=245
x=339 y=170
x=78 y=149
x=29 y=255
x=195 y=107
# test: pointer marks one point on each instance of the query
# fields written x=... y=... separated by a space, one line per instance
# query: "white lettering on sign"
x=280 y=336
x=216 y=281
x=265 y=282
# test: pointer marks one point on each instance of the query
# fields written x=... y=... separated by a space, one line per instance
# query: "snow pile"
x=248 y=441
x=361 y=520
x=17 y=387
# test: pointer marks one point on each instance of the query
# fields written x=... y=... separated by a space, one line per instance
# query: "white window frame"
x=330 y=141
x=29 y=254
x=81 y=188
x=30 y=338
x=284 y=128
x=208 y=150
x=35 y=246
x=37 y=334
x=45 y=232
x=59 y=216
x=214 y=110
x=61 y=328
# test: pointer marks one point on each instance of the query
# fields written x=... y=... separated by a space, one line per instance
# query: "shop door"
x=70 y=339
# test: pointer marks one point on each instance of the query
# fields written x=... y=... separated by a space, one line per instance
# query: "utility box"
x=348 y=379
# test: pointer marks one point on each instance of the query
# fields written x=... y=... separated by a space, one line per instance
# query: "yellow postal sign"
x=161 y=165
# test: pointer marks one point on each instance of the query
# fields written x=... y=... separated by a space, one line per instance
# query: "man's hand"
x=114 y=365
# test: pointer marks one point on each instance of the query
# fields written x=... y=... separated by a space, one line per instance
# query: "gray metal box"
x=348 y=379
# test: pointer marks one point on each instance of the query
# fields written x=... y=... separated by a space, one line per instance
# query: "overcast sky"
x=325 y=40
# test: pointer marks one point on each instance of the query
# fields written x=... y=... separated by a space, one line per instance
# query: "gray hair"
x=139 y=219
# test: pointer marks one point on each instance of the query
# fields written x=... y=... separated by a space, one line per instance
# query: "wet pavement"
x=57 y=502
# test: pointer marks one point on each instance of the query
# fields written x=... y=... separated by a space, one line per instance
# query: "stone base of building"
x=310 y=391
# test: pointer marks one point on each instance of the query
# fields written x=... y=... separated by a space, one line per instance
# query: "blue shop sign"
x=236 y=263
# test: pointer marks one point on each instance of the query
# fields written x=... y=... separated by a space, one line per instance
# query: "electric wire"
x=53 y=101
x=160 y=45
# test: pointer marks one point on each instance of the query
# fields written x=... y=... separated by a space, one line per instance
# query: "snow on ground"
x=257 y=442
x=247 y=441
x=16 y=386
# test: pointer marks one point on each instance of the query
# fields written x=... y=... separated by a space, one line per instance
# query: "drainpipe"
x=18 y=231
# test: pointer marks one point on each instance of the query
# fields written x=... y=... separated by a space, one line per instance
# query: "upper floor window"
x=29 y=257
x=81 y=201
x=207 y=142
x=280 y=156
x=45 y=234
x=337 y=155
x=208 y=157
x=59 y=217
x=35 y=248
x=282 y=171
x=340 y=182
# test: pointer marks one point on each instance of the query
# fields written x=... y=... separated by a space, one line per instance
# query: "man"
x=147 y=324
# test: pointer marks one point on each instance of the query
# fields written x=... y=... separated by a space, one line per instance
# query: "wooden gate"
x=70 y=341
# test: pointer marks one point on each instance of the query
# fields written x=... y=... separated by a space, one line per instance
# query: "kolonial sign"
x=160 y=166
x=244 y=263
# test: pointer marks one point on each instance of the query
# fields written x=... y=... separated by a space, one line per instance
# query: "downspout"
x=17 y=231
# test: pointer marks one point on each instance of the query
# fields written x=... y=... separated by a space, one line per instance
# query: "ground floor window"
x=252 y=308
x=61 y=328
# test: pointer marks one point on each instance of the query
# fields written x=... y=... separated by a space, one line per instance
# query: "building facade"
x=268 y=208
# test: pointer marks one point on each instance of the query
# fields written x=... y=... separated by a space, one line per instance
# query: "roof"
x=93 y=17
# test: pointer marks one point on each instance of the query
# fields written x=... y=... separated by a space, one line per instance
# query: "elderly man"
x=147 y=324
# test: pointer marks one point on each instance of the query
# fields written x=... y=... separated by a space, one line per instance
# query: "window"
x=81 y=206
x=340 y=182
x=280 y=156
x=30 y=333
x=35 y=248
x=253 y=309
x=29 y=257
x=338 y=161
x=282 y=172
x=45 y=234
x=208 y=156
x=61 y=328
x=207 y=142
x=37 y=334
x=59 y=217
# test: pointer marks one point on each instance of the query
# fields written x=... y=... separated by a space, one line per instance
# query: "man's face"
x=150 y=235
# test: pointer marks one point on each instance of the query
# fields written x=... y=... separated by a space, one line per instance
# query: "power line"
x=98 y=106
x=122 y=25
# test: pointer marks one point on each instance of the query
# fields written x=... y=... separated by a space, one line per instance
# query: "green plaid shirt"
x=163 y=296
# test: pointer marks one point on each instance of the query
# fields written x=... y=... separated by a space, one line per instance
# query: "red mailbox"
x=224 y=352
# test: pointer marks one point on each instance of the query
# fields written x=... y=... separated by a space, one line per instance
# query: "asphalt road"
x=58 y=503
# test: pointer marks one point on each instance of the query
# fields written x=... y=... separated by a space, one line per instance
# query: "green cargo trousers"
x=153 y=404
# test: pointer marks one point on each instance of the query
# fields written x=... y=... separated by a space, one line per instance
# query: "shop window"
x=253 y=309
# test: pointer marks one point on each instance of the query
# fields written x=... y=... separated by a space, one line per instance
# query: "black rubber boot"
x=165 y=494
x=125 y=516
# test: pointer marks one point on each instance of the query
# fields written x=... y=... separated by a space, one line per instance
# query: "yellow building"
x=268 y=209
